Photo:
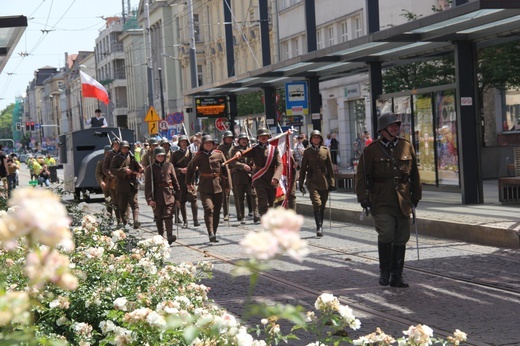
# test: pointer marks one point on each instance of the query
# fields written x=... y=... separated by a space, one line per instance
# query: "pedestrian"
x=3 y=168
x=241 y=170
x=161 y=191
x=43 y=177
x=334 y=147
x=49 y=160
x=126 y=169
x=388 y=184
x=104 y=182
x=267 y=171
x=180 y=160
x=17 y=162
x=225 y=147
x=317 y=173
x=327 y=141
x=97 y=120
x=214 y=179
x=12 y=169
x=368 y=140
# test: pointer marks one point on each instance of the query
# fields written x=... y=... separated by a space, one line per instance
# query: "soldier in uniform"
x=317 y=168
x=110 y=179
x=165 y=143
x=126 y=168
x=225 y=147
x=241 y=170
x=267 y=169
x=147 y=159
x=214 y=179
x=160 y=190
x=180 y=160
x=103 y=182
x=388 y=183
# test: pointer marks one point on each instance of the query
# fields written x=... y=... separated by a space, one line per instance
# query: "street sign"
x=296 y=98
x=222 y=124
x=151 y=115
x=211 y=107
x=153 y=128
x=163 y=125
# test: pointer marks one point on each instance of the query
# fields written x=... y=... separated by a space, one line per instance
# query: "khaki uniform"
x=161 y=185
x=214 y=179
x=242 y=184
x=127 y=185
x=100 y=177
x=225 y=148
x=180 y=159
x=318 y=174
x=265 y=192
x=111 y=182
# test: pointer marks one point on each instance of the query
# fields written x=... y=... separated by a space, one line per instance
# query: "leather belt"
x=213 y=175
x=166 y=185
x=395 y=180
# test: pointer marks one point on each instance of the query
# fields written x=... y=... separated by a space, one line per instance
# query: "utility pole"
x=148 y=43
x=163 y=116
x=193 y=61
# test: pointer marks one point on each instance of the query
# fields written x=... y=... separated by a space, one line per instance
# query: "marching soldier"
x=388 y=182
x=317 y=168
x=147 y=159
x=225 y=147
x=103 y=182
x=241 y=170
x=267 y=169
x=125 y=168
x=180 y=160
x=214 y=179
x=110 y=179
x=165 y=143
x=160 y=190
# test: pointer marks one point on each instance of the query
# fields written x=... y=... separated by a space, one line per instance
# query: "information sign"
x=210 y=107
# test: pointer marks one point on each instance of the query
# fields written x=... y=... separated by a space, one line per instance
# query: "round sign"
x=163 y=125
x=221 y=124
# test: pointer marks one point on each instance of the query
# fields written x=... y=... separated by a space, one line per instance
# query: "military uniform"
x=102 y=178
x=111 y=182
x=180 y=160
x=317 y=171
x=388 y=182
x=160 y=187
x=225 y=148
x=214 y=179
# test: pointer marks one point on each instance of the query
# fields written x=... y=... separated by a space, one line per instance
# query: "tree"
x=6 y=121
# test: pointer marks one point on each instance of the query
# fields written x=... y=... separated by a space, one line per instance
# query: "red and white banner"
x=283 y=142
x=92 y=88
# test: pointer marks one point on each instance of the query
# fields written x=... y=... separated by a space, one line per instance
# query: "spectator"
x=12 y=169
x=327 y=141
x=305 y=141
x=3 y=167
x=50 y=161
x=334 y=146
x=368 y=140
x=44 y=176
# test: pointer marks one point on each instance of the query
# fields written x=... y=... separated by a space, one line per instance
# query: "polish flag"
x=92 y=88
x=283 y=142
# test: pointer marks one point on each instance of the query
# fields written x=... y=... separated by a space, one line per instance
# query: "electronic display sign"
x=211 y=107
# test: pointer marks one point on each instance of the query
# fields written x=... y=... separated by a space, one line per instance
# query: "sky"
x=69 y=26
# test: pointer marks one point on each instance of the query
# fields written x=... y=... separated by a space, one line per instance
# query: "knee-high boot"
x=385 y=260
x=194 y=211
x=182 y=207
x=135 y=214
x=160 y=226
x=319 y=220
x=396 y=271
x=169 y=230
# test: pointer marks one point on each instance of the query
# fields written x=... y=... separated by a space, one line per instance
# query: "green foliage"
x=499 y=66
x=6 y=121
x=250 y=103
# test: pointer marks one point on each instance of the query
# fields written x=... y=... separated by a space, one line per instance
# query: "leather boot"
x=160 y=227
x=182 y=207
x=396 y=271
x=385 y=259
x=137 y=224
x=194 y=210
x=319 y=228
x=209 y=226
x=169 y=231
x=177 y=219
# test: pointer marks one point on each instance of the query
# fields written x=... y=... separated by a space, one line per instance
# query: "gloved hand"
x=366 y=204
x=332 y=188
x=302 y=189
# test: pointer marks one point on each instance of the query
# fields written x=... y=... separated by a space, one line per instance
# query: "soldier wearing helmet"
x=161 y=190
x=102 y=180
x=318 y=173
x=267 y=169
x=214 y=179
x=180 y=160
x=225 y=147
x=110 y=179
x=242 y=183
x=388 y=183
x=126 y=169
x=165 y=143
x=147 y=159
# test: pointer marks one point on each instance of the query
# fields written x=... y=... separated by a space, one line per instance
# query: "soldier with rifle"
x=225 y=147
x=110 y=179
x=161 y=190
x=126 y=169
x=180 y=160
x=388 y=184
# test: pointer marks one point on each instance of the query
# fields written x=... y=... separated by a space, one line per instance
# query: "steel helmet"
x=183 y=138
x=125 y=144
x=316 y=133
x=107 y=148
x=227 y=134
x=207 y=138
x=164 y=141
x=386 y=119
x=263 y=132
x=152 y=141
x=159 y=151
x=243 y=135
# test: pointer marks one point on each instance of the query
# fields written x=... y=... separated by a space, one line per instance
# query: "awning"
x=485 y=22
x=11 y=31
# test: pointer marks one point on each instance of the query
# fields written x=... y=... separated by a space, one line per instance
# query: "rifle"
x=236 y=158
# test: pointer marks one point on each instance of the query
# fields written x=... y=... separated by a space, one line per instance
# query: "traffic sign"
x=221 y=124
x=151 y=115
x=163 y=125
x=153 y=128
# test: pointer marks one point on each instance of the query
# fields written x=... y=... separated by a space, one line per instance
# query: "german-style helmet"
x=386 y=119
x=152 y=141
x=227 y=134
x=107 y=148
x=207 y=138
x=262 y=132
x=242 y=135
x=125 y=144
x=159 y=151
x=164 y=141
x=316 y=133
x=184 y=138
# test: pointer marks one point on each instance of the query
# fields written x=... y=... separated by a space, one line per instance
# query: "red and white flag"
x=283 y=142
x=92 y=88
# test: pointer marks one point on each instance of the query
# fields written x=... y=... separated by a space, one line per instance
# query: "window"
x=344 y=31
x=196 y=26
x=318 y=39
x=295 y=47
x=199 y=75
x=331 y=37
x=359 y=29
x=285 y=50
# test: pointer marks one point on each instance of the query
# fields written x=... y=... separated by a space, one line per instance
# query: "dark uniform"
x=160 y=189
x=214 y=179
x=388 y=182
x=125 y=168
x=103 y=181
x=180 y=160
x=242 y=182
x=147 y=159
x=317 y=171
x=225 y=148
x=110 y=180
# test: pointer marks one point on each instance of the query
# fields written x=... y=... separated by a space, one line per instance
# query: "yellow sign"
x=151 y=116
x=153 y=127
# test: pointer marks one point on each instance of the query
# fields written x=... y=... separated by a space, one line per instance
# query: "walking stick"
x=416 y=233
x=330 y=211
x=177 y=213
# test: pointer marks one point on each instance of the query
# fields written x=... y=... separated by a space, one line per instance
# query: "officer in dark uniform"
x=126 y=168
x=267 y=170
x=317 y=168
x=110 y=179
x=241 y=170
x=180 y=160
x=214 y=179
x=225 y=147
x=160 y=190
x=103 y=182
x=388 y=183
